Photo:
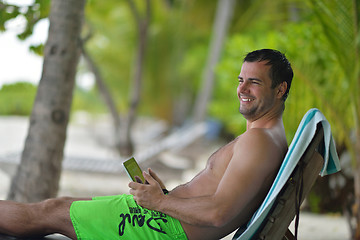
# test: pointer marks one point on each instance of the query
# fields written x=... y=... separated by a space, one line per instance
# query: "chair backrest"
x=287 y=203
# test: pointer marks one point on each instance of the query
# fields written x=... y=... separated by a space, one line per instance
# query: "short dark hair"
x=280 y=70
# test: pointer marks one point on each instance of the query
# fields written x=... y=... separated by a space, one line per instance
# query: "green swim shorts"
x=120 y=217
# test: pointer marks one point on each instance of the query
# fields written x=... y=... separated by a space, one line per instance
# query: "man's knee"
x=52 y=215
x=53 y=205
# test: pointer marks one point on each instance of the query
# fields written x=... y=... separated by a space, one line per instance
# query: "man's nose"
x=243 y=87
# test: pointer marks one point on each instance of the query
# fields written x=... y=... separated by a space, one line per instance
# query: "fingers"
x=155 y=176
x=138 y=189
x=150 y=179
x=133 y=185
x=138 y=179
x=138 y=183
x=132 y=192
x=134 y=188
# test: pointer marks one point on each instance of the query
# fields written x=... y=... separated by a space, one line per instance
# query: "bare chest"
x=207 y=181
x=219 y=160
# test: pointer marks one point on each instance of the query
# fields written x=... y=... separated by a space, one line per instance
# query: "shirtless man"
x=214 y=203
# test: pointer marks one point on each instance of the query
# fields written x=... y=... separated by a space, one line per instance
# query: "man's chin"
x=247 y=113
x=244 y=111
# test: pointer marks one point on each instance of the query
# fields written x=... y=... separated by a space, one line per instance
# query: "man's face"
x=254 y=91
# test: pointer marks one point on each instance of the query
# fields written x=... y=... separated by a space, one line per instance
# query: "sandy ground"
x=86 y=139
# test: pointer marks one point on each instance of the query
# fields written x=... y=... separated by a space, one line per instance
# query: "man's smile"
x=246 y=99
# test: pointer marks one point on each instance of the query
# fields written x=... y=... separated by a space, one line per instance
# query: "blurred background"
x=157 y=80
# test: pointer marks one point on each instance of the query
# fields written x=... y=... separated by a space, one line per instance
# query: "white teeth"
x=246 y=99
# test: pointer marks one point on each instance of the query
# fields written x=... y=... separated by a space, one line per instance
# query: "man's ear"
x=281 y=89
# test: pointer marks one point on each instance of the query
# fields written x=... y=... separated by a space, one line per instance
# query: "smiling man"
x=237 y=177
x=219 y=199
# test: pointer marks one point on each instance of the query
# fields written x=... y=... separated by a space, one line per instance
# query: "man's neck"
x=268 y=120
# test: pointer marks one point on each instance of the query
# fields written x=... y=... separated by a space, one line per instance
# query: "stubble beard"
x=248 y=113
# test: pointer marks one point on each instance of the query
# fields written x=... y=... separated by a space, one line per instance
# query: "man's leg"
x=37 y=219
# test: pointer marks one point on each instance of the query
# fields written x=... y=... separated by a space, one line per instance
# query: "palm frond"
x=337 y=20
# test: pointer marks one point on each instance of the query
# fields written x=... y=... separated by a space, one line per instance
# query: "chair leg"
x=288 y=235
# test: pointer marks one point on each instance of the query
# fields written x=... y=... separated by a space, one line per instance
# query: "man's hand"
x=153 y=174
x=148 y=195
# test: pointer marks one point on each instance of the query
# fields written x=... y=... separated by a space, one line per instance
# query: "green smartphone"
x=132 y=169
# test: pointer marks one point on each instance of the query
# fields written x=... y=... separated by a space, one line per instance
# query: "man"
x=213 y=204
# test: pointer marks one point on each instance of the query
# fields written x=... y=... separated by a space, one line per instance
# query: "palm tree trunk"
x=223 y=17
x=124 y=141
x=38 y=174
x=103 y=89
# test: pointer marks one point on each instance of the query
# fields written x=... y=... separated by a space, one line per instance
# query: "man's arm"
x=254 y=159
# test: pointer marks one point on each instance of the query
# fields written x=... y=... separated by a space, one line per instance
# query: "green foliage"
x=175 y=54
x=32 y=14
x=17 y=98
x=314 y=201
x=87 y=101
x=38 y=49
x=339 y=22
x=7 y=12
x=112 y=45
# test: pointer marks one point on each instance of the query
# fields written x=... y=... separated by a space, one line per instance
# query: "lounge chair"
x=312 y=151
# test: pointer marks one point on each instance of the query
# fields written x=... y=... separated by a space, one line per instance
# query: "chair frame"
x=299 y=184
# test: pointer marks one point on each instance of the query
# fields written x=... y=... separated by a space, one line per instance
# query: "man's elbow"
x=219 y=219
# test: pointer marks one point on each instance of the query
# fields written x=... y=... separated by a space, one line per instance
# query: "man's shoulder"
x=258 y=144
x=258 y=136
